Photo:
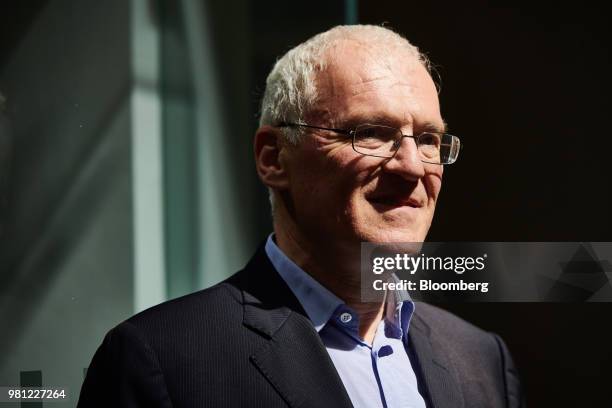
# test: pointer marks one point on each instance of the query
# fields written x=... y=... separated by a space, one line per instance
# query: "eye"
x=430 y=139
x=379 y=133
x=376 y=140
x=366 y=132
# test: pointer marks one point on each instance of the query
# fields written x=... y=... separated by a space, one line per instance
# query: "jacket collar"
x=437 y=379
x=293 y=358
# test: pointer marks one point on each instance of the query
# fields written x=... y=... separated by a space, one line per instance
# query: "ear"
x=268 y=146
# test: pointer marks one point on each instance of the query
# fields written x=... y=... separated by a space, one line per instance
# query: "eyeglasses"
x=384 y=141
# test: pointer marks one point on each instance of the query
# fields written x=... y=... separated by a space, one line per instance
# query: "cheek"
x=322 y=181
x=433 y=184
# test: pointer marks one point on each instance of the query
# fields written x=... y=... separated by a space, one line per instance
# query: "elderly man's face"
x=340 y=196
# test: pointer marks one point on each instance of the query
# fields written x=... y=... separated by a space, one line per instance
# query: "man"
x=352 y=148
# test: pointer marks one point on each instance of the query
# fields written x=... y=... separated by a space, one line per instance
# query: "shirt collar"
x=399 y=312
x=320 y=304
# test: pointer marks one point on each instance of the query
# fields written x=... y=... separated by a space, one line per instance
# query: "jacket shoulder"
x=206 y=307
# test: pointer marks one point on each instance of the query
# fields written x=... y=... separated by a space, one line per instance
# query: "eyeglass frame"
x=352 y=132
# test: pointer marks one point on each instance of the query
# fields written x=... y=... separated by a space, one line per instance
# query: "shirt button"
x=346 y=317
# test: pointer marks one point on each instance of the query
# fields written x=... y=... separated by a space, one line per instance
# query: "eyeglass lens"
x=384 y=141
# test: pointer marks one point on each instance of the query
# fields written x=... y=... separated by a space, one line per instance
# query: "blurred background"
x=126 y=173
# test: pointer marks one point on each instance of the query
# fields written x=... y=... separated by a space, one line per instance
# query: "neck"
x=335 y=268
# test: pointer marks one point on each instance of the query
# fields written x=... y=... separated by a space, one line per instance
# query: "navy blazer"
x=247 y=342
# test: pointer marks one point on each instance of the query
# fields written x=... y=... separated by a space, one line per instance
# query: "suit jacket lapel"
x=438 y=383
x=293 y=359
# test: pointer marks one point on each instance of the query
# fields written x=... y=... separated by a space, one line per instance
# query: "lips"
x=393 y=201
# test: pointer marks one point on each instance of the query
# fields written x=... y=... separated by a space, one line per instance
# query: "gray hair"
x=291 y=90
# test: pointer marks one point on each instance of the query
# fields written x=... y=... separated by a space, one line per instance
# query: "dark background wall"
x=527 y=87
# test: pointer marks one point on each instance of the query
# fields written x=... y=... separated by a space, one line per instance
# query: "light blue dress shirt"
x=379 y=375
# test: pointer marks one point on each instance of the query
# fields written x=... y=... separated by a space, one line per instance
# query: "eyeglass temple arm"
x=341 y=131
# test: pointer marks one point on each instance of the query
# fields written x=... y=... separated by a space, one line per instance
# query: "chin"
x=388 y=235
x=395 y=226
x=403 y=236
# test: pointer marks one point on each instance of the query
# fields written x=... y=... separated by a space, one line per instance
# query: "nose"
x=407 y=161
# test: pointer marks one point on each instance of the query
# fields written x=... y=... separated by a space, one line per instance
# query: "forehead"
x=362 y=81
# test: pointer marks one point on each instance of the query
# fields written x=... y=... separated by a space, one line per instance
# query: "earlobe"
x=268 y=148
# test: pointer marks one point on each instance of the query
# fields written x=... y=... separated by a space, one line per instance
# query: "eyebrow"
x=381 y=119
x=433 y=127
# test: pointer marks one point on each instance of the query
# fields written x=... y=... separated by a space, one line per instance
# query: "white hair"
x=291 y=90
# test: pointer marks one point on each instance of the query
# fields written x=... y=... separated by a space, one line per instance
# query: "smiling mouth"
x=395 y=202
